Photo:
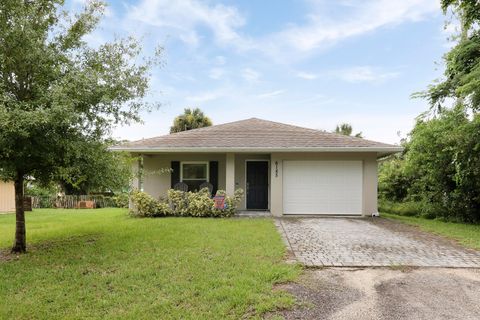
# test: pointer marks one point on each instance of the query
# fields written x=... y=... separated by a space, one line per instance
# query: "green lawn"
x=103 y=264
x=466 y=234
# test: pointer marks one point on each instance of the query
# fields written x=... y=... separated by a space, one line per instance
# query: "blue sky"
x=304 y=62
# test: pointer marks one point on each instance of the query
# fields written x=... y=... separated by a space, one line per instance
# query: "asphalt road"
x=385 y=293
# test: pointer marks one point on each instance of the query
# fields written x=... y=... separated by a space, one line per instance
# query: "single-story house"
x=7 y=197
x=286 y=169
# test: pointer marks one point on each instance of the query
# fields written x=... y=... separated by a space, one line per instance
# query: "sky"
x=303 y=62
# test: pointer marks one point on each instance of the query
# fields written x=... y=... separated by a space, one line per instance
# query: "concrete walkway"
x=370 y=242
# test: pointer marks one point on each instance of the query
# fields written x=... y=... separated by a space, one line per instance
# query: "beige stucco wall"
x=157 y=184
x=369 y=176
x=7 y=197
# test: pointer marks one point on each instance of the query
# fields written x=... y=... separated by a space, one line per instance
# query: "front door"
x=257 y=185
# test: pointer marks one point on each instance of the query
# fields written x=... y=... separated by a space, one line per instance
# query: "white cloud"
x=270 y=94
x=307 y=75
x=364 y=74
x=183 y=17
x=323 y=29
x=250 y=75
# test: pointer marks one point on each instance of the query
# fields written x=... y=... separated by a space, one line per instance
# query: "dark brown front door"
x=257 y=185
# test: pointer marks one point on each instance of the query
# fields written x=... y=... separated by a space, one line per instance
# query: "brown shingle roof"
x=253 y=134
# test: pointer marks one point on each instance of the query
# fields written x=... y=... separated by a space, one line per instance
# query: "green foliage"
x=94 y=168
x=440 y=169
x=146 y=206
x=346 y=129
x=57 y=95
x=44 y=193
x=190 y=119
x=407 y=208
x=121 y=200
x=37 y=190
x=461 y=79
x=468 y=10
x=180 y=203
x=231 y=202
x=59 y=98
x=393 y=182
x=445 y=159
x=462 y=75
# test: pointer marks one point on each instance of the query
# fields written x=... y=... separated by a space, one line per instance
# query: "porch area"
x=157 y=172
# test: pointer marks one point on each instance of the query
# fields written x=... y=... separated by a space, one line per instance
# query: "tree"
x=393 y=183
x=441 y=162
x=97 y=169
x=468 y=10
x=58 y=95
x=190 y=119
x=443 y=158
x=346 y=129
x=461 y=81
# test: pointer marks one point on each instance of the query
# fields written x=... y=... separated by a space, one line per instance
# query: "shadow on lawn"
x=83 y=242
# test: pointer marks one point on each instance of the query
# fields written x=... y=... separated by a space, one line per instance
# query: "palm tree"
x=192 y=118
x=346 y=129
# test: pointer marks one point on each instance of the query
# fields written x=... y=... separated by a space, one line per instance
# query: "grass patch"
x=408 y=209
x=102 y=264
x=466 y=234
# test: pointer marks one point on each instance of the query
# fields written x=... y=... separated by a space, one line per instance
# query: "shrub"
x=145 y=205
x=179 y=203
x=231 y=203
x=200 y=203
x=121 y=200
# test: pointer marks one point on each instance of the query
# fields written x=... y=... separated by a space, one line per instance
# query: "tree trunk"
x=20 y=244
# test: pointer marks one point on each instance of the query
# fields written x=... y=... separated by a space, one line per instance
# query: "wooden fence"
x=72 y=201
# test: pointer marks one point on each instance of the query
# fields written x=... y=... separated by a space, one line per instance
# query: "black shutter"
x=213 y=175
x=175 y=174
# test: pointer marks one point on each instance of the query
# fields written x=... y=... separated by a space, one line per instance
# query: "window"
x=194 y=173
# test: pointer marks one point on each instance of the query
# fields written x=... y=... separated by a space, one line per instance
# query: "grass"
x=408 y=208
x=102 y=264
x=466 y=234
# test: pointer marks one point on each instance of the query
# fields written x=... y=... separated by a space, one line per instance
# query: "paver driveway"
x=370 y=242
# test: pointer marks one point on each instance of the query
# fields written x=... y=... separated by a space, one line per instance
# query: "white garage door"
x=322 y=187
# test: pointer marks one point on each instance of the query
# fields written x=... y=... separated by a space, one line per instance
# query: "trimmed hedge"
x=184 y=204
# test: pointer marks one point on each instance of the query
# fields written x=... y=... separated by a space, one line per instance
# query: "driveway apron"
x=370 y=242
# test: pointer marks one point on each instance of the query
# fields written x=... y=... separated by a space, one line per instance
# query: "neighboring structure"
x=283 y=168
x=7 y=197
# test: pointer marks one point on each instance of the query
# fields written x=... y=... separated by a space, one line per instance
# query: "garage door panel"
x=322 y=187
